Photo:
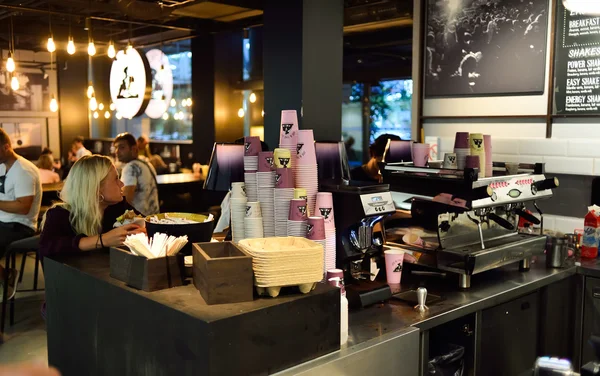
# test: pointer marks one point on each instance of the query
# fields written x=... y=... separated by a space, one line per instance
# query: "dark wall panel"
x=203 y=97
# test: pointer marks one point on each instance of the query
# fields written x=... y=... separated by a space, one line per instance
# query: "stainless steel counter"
x=388 y=334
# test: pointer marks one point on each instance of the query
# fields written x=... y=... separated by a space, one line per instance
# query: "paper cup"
x=305 y=149
x=289 y=127
x=394 y=258
x=238 y=190
x=335 y=273
x=253 y=210
x=324 y=207
x=315 y=228
x=252 y=146
x=476 y=143
x=300 y=193
x=284 y=178
x=450 y=160
x=412 y=239
x=282 y=158
x=461 y=140
x=420 y=154
x=265 y=161
x=298 y=210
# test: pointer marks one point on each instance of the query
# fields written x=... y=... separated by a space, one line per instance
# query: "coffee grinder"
x=359 y=214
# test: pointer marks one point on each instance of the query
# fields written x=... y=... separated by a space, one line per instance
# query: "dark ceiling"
x=377 y=33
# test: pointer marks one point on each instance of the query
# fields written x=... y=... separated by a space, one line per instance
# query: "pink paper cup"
x=289 y=127
x=461 y=140
x=316 y=228
x=413 y=239
x=284 y=178
x=266 y=162
x=472 y=161
x=394 y=260
x=420 y=154
x=324 y=207
x=252 y=146
x=298 y=210
x=305 y=149
x=335 y=273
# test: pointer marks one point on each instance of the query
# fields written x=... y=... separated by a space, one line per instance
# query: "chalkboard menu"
x=577 y=63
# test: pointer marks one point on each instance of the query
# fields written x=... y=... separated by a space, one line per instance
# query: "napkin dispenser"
x=146 y=274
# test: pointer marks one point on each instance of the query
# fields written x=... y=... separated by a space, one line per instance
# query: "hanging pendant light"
x=112 y=106
x=71 y=46
x=96 y=114
x=91 y=48
x=101 y=106
x=90 y=91
x=10 y=63
x=111 y=50
x=53 y=104
x=93 y=103
x=50 y=45
x=252 y=98
x=106 y=114
x=14 y=83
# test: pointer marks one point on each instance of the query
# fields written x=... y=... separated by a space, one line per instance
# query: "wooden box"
x=222 y=273
x=146 y=274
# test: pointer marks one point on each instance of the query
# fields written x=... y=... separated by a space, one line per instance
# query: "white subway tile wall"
x=562 y=224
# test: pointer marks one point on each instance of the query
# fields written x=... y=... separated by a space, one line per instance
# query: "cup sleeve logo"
x=248 y=209
x=452 y=159
x=478 y=142
x=246 y=146
x=277 y=178
x=302 y=209
x=286 y=128
x=284 y=162
x=299 y=148
x=398 y=268
x=325 y=212
x=309 y=228
x=269 y=161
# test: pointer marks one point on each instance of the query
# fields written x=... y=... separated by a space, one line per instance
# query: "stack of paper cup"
x=420 y=154
x=237 y=205
x=324 y=207
x=266 y=185
x=288 y=137
x=297 y=220
x=307 y=175
x=316 y=232
x=450 y=161
x=489 y=162
x=251 y=185
x=252 y=147
x=478 y=148
x=283 y=194
x=282 y=158
x=253 y=222
x=461 y=149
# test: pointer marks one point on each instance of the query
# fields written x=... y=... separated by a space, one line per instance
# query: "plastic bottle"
x=589 y=241
x=336 y=281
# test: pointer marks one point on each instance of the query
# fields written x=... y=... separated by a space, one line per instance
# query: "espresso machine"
x=359 y=215
x=456 y=222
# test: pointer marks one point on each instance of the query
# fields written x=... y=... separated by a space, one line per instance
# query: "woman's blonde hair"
x=45 y=162
x=81 y=193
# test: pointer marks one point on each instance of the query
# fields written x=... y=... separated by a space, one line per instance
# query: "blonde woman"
x=92 y=201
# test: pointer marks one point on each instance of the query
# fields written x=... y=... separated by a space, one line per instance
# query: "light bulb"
x=14 y=83
x=165 y=116
x=262 y=113
x=93 y=104
x=241 y=112
x=50 y=45
x=96 y=114
x=71 y=46
x=111 y=50
x=189 y=102
x=118 y=116
x=112 y=106
x=90 y=91
x=53 y=104
x=106 y=114
x=91 y=49
x=252 y=98
x=183 y=102
x=129 y=47
x=173 y=102
x=10 y=64
x=101 y=106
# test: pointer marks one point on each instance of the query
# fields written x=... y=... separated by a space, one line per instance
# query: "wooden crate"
x=146 y=274
x=222 y=273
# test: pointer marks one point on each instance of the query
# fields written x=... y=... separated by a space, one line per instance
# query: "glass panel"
x=391 y=103
x=352 y=129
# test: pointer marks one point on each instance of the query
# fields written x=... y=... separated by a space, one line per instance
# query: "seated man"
x=20 y=200
x=154 y=159
x=369 y=172
x=138 y=176
x=78 y=150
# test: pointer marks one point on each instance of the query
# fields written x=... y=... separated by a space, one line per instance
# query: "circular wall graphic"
x=130 y=83
x=162 y=83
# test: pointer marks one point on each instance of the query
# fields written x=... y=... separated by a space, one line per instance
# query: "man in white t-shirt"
x=78 y=150
x=139 y=177
x=20 y=199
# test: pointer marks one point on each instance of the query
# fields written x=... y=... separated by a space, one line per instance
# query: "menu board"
x=577 y=63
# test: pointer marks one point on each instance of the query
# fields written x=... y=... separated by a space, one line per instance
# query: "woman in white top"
x=47 y=175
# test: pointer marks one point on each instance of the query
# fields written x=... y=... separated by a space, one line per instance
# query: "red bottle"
x=589 y=240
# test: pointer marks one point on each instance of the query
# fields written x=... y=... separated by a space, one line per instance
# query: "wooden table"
x=55 y=187
x=183 y=178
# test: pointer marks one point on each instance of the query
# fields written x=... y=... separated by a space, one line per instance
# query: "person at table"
x=56 y=164
x=154 y=159
x=78 y=150
x=369 y=172
x=20 y=201
x=139 y=177
x=45 y=165
x=92 y=201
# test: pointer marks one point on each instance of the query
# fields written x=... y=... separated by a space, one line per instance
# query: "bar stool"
x=24 y=247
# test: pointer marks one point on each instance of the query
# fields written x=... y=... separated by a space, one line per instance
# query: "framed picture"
x=485 y=47
x=33 y=93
